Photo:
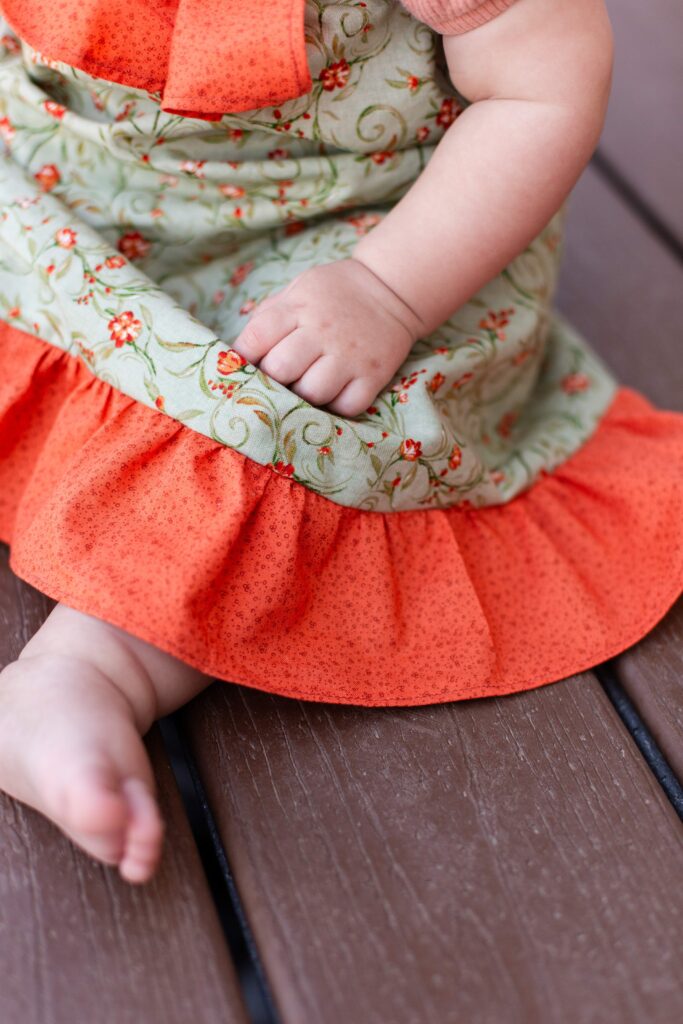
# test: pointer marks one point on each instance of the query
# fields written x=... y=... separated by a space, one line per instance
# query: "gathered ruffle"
x=204 y=57
x=127 y=515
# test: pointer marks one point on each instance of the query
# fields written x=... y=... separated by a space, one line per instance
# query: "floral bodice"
x=139 y=240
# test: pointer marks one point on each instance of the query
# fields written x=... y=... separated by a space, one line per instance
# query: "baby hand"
x=335 y=335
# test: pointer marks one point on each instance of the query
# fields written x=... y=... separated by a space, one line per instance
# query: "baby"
x=74 y=706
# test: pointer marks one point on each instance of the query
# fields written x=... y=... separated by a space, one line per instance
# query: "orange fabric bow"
x=205 y=57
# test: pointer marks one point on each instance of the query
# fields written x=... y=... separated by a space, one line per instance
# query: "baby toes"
x=144 y=834
x=93 y=812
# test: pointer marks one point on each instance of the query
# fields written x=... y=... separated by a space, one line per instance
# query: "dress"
x=473 y=533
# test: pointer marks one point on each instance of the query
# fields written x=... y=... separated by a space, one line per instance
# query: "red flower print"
x=495 y=322
x=54 y=109
x=66 y=238
x=497 y=477
x=575 y=382
x=324 y=449
x=230 y=361
x=422 y=133
x=13 y=312
x=455 y=458
x=10 y=44
x=160 y=402
x=195 y=167
x=241 y=272
x=436 y=382
x=381 y=158
x=461 y=381
x=133 y=245
x=7 y=131
x=363 y=222
x=247 y=307
x=278 y=154
x=283 y=468
x=521 y=357
x=114 y=262
x=47 y=177
x=293 y=227
x=124 y=328
x=335 y=76
x=231 y=191
x=448 y=111
x=125 y=111
x=412 y=82
x=506 y=423
x=411 y=450
x=372 y=409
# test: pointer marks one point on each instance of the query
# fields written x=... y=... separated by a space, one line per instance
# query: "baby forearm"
x=496 y=178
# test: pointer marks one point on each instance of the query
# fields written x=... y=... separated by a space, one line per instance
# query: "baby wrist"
x=405 y=310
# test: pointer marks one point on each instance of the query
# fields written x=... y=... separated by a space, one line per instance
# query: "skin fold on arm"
x=538 y=79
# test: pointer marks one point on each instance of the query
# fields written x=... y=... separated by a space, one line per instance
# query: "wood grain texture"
x=635 y=312
x=76 y=943
x=652 y=675
x=624 y=292
x=498 y=860
x=643 y=134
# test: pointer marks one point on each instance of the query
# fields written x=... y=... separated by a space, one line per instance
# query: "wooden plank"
x=77 y=943
x=643 y=134
x=622 y=289
x=502 y=859
x=495 y=860
x=652 y=675
x=642 y=138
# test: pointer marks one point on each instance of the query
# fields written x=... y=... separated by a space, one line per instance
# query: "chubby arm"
x=538 y=77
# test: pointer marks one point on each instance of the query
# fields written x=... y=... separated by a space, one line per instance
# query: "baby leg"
x=73 y=709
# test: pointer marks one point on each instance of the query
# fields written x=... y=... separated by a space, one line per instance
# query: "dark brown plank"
x=77 y=943
x=498 y=860
x=652 y=675
x=643 y=134
x=624 y=291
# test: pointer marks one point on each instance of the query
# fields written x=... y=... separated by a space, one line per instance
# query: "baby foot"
x=70 y=747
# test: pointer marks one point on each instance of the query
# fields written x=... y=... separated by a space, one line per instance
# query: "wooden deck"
x=502 y=861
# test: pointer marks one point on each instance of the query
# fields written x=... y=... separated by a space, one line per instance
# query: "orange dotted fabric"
x=205 y=57
x=125 y=514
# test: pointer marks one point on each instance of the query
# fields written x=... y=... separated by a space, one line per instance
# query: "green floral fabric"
x=139 y=241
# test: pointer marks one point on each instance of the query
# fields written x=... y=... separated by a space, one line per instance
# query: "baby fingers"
x=290 y=358
x=264 y=330
x=355 y=397
x=322 y=381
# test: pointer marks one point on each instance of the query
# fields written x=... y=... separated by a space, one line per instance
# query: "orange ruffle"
x=123 y=513
x=205 y=57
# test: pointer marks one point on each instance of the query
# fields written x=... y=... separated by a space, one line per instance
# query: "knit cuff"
x=451 y=17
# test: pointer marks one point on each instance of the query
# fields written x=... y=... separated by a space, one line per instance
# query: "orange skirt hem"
x=125 y=514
